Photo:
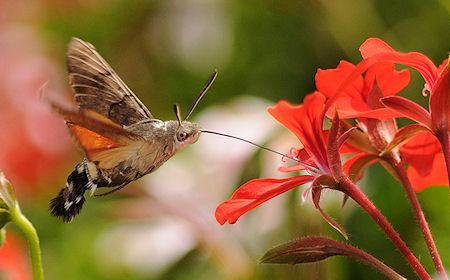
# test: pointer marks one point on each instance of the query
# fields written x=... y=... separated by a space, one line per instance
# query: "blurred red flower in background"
x=33 y=139
x=14 y=263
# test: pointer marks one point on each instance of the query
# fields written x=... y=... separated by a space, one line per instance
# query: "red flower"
x=436 y=120
x=319 y=158
x=13 y=260
x=357 y=96
x=360 y=99
x=33 y=139
x=437 y=83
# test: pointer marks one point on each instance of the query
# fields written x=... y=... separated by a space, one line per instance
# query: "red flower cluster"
x=365 y=92
x=423 y=153
x=418 y=155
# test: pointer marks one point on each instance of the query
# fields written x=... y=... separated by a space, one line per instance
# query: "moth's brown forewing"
x=97 y=87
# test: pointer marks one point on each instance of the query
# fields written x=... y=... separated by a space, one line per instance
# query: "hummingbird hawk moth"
x=121 y=139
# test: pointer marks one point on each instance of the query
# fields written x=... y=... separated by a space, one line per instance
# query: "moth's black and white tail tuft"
x=68 y=203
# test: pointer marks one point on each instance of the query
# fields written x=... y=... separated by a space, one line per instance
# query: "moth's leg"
x=111 y=191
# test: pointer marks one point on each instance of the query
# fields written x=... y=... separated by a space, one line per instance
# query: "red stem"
x=359 y=197
x=420 y=217
x=444 y=139
x=363 y=256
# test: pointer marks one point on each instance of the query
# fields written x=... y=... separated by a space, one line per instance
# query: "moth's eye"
x=182 y=136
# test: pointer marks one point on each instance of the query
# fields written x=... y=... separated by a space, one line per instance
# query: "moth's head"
x=187 y=133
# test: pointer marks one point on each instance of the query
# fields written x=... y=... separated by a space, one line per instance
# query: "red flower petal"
x=328 y=81
x=408 y=109
x=351 y=100
x=293 y=168
x=440 y=102
x=426 y=164
x=357 y=72
x=254 y=193
x=354 y=99
x=379 y=50
x=389 y=80
x=436 y=177
x=420 y=153
x=380 y=114
x=306 y=122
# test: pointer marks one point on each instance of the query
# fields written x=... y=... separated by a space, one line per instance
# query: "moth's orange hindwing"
x=91 y=142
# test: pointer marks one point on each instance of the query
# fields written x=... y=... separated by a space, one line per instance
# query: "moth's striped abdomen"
x=70 y=198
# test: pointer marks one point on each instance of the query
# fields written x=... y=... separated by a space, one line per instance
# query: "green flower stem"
x=33 y=240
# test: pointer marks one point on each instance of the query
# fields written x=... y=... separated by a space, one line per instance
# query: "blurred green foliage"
x=270 y=49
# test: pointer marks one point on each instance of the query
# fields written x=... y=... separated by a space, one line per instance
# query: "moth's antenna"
x=202 y=93
x=310 y=167
x=176 y=110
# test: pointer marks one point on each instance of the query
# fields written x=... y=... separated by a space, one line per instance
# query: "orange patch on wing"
x=91 y=141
